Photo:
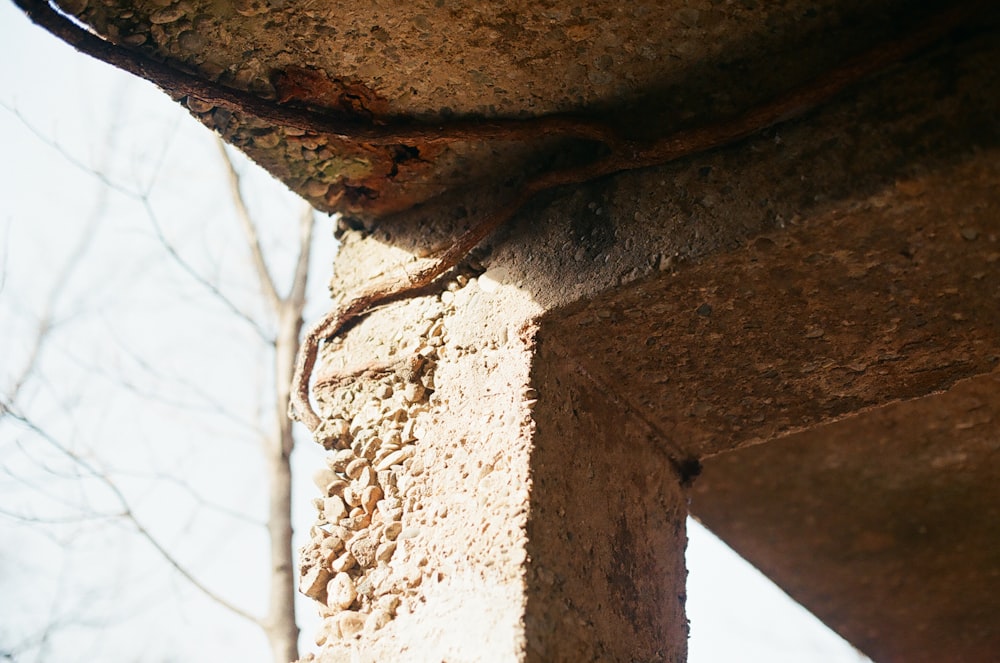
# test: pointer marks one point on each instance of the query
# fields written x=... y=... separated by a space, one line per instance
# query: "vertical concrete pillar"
x=482 y=502
x=606 y=528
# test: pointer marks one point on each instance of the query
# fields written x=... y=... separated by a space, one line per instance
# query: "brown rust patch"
x=315 y=89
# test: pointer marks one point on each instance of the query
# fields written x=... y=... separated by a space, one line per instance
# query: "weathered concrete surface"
x=885 y=525
x=902 y=283
x=499 y=474
x=606 y=529
x=611 y=332
x=830 y=268
x=894 y=298
x=650 y=66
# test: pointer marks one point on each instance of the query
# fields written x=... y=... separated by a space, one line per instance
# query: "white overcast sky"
x=130 y=315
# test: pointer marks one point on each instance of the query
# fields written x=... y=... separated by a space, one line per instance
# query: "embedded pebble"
x=392 y=530
x=363 y=550
x=350 y=623
x=336 y=488
x=378 y=619
x=197 y=105
x=384 y=551
x=166 y=15
x=352 y=496
x=334 y=509
x=328 y=630
x=394 y=458
x=414 y=392
x=340 y=592
x=138 y=39
x=370 y=496
x=323 y=477
x=389 y=603
x=314 y=188
x=313 y=582
x=354 y=468
x=339 y=461
x=359 y=528
x=330 y=547
x=343 y=563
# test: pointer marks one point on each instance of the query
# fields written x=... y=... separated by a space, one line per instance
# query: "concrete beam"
x=885 y=525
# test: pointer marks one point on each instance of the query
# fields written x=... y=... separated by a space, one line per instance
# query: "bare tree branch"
x=250 y=230
x=46 y=321
x=203 y=400
x=144 y=199
x=127 y=513
x=296 y=297
x=194 y=274
x=70 y=157
x=194 y=494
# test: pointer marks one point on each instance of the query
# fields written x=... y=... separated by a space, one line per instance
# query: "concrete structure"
x=812 y=314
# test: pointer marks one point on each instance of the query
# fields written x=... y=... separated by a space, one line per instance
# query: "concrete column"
x=606 y=528
x=484 y=501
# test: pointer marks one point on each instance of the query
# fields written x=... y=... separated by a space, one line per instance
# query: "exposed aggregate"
x=358 y=565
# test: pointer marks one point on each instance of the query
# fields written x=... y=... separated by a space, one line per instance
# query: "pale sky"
x=146 y=375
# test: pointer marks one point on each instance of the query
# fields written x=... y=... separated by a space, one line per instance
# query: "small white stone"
x=493 y=278
x=334 y=509
x=366 y=478
x=340 y=459
x=322 y=477
x=329 y=548
x=352 y=496
x=343 y=563
x=354 y=468
x=394 y=458
x=313 y=582
x=340 y=592
x=336 y=487
x=329 y=631
x=377 y=620
x=413 y=392
x=369 y=498
x=384 y=551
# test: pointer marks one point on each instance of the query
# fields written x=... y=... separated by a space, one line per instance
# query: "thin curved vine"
x=620 y=154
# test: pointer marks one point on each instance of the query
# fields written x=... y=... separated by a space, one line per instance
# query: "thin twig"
x=250 y=230
x=127 y=513
x=188 y=269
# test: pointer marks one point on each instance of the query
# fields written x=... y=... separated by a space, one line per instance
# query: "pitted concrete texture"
x=469 y=493
x=829 y=268
x=885 y=525
x=650 y=67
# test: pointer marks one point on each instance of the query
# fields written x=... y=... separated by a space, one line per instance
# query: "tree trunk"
x=282 y=631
